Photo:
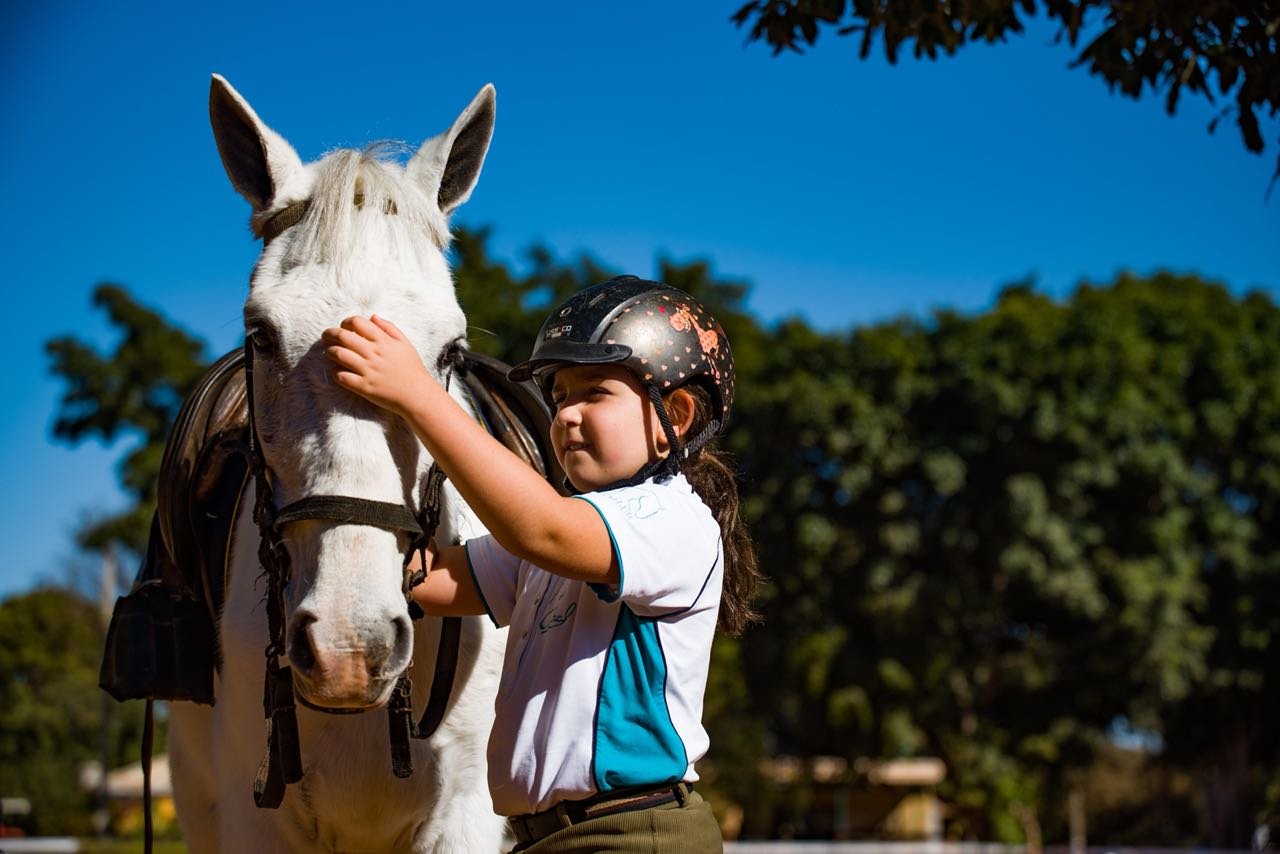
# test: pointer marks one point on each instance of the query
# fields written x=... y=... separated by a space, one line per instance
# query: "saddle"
x=162 y=641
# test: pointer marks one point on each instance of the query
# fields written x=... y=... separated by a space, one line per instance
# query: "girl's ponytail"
x=708 y=472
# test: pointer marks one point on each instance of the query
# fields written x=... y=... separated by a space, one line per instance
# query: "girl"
x=612 y=596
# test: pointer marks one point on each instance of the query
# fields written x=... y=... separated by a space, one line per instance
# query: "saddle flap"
x=161 y=642
x=211 y=428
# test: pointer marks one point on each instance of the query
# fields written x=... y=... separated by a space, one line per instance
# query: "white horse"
x=371 y=239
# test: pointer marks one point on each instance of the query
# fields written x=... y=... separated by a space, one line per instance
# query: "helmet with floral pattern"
x=660 y=333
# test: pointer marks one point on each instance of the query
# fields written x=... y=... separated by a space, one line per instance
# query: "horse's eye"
x=263 y=339
x=450 y=356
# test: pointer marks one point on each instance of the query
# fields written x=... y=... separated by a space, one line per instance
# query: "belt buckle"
x=562 y=815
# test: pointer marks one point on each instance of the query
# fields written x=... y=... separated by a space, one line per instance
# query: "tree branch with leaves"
x=1225 y=48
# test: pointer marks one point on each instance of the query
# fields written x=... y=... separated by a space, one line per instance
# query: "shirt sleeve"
x=667 y=545
x=497 y=575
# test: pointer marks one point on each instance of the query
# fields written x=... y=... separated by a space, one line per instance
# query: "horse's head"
x=352 y=233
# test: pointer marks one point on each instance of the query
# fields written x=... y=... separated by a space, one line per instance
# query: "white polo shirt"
x=602 y=688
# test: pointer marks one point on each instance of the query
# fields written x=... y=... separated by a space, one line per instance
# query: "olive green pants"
x=659 y=830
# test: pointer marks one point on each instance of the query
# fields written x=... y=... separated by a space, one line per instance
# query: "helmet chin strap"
x=679 y=450
x=673 y=441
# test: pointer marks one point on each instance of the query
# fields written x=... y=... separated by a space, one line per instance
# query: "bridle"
x=282 y=764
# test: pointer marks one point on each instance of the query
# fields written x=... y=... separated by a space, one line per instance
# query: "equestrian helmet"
x=660 y=333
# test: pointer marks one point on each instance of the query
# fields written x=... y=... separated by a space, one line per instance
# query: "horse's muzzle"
x=340 y=667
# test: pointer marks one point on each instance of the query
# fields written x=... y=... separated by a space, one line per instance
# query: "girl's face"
x=605 y=428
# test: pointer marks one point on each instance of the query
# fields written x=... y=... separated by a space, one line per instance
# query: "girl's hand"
x=375 y=360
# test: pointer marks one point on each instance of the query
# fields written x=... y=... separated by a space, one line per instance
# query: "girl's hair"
x=708 y=472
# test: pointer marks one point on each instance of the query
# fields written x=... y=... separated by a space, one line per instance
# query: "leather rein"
x=282 y=764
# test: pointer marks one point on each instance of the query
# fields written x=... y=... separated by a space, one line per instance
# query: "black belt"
x=534 y=826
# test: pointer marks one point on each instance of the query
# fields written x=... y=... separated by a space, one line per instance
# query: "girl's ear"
x=680 y=409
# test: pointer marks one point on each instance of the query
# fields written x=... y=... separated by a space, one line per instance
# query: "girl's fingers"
x=388 y=327
x=363 y=327
x=347 y=379
x=346 y=342
x=357 y=330
x=333 y=333
x=343 y=356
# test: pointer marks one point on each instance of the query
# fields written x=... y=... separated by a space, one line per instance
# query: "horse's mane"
x=351 y=197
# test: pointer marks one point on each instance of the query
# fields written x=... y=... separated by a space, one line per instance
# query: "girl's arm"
x=449 y=589
x=522 y=511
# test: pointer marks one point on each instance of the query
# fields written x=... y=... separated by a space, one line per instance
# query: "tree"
x=1227 y=45
x=993 y=536
x=1230 y=355
x=50 y=717
x=135 y=390
x=504 y=310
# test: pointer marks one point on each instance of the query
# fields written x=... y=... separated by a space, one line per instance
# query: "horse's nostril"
x=301 y=655
x=404 y=637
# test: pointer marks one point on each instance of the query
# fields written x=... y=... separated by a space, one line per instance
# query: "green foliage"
x=738 y=735
x=504 y=310
x=496 y=302
x=135 y=390
x=1228 y=45
x=51 y=710
x=994 y=535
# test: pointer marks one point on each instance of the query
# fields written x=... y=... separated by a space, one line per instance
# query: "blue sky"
x=844 y=191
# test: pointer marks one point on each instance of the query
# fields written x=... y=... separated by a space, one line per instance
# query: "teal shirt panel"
x=636 y=743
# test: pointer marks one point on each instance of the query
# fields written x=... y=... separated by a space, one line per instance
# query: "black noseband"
x=350 y=511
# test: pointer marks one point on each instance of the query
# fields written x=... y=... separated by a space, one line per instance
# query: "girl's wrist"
x=420 y=399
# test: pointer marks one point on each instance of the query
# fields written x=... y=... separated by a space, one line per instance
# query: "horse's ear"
x=257 y=159
x=449 y=165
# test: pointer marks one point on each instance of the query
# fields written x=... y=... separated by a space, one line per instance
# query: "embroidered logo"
x=639 y=505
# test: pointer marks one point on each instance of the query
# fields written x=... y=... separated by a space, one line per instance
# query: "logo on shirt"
x=554 y=619
x=638 y=504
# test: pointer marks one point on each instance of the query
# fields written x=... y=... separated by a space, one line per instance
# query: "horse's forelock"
x=349 y=184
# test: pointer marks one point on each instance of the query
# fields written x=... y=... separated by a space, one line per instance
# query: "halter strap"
x=278 y=223
x=349 y=511
x=281 y=221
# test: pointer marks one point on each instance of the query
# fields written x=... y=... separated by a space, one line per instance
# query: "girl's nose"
x=567 y=413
